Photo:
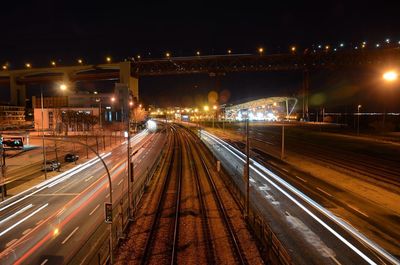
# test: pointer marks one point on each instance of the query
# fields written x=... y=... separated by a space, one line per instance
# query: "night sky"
x=40 y=31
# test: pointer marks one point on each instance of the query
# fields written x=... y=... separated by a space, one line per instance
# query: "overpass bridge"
x=129 y=72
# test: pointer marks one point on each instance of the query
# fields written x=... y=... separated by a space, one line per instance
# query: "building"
x=265 y=109
x=12 y=116
x=65 y=119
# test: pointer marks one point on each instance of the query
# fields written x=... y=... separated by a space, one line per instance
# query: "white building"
x=58 y=119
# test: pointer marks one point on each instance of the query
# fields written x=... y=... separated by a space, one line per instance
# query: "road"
x=303 y=225
x=50 y=222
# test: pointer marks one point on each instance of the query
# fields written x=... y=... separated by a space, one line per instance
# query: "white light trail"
x=23 y=219
x=56 y=179
x=16 y=213
x=324 y=211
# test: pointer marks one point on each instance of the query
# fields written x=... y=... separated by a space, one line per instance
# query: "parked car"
x=71 y=157
x=51 y=165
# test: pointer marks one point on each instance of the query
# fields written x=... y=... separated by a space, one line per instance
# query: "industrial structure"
x=265 y=109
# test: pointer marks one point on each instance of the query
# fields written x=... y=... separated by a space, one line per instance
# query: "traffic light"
x=108 y=212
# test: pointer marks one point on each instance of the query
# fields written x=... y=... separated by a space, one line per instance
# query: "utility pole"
x=247 y=167
x=283 y=142
x=358 y=119
x=2 y=167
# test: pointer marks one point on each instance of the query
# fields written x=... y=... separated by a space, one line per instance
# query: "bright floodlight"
x=151 y=125
x=206 y=108
x=63 y=87
x=390 y=76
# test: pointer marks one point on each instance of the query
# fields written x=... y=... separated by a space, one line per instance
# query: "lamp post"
x=214 y=112
x=109 y=185
x=44 y=148
x=130 y=162
x=247 y=166
x=358 y=119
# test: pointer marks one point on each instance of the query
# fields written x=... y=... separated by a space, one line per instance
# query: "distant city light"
x=28 y=65
x=108 y=59
x=378 y=45
x=387 y=40
x=4 y=67
x=53 y=63
x=230 y=51
x=341 y=44
x=261 y=50
x=319 y=46
x=206 y=108
x=80 y=61
x=327 y=47
x=293 y=48
x=198 y=53
x=138 y=56
x=113 y=99
x=167 y=54
x=215 y=107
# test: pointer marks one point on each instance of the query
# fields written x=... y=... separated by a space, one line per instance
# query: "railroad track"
x=232 y=236
x=184 y=219
x=174 y=167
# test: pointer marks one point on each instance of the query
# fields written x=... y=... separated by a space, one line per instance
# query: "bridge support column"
x=17 y=92
x=126 y=78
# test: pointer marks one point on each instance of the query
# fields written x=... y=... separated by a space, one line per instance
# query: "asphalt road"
x=312 y=234
x=50 y=222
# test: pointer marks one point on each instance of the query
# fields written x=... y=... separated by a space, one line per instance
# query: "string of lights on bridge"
x=387 y=43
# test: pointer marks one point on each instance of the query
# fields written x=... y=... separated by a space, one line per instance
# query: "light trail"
x=23 y=219
x=16 y=213
x=321 y=209
x=51 y=182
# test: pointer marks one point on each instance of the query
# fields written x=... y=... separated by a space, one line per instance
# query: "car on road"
x=71 y=157
x=51 y=165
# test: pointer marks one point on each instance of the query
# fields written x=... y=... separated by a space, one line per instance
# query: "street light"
x=167 y=54
x=28 y=65
x=108 y=59
x=63 y=87
x=214 y=108
x=53 y=63
x=260 y=50
x=80 y=61
x=44 y=148
x=390 y=76
x=358 y=119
